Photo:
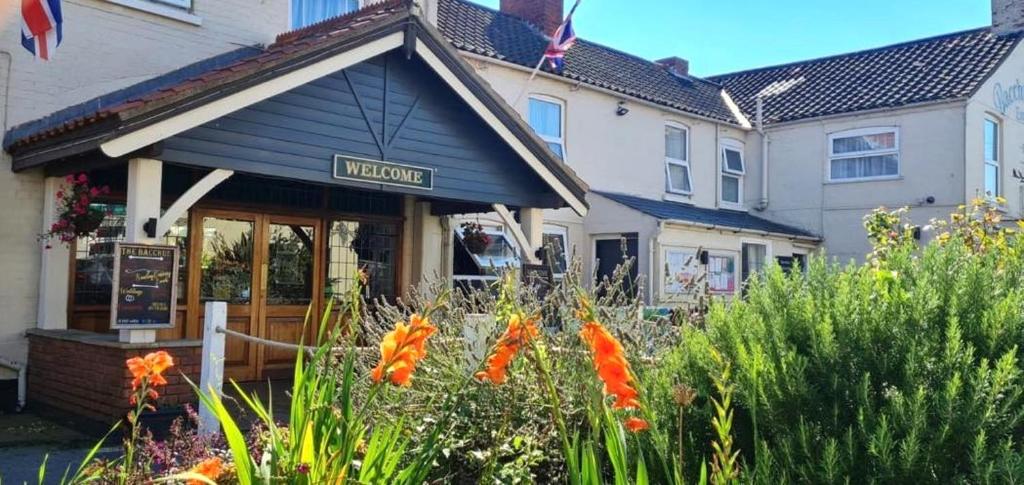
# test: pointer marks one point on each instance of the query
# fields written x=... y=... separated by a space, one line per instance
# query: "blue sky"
x=730 y=35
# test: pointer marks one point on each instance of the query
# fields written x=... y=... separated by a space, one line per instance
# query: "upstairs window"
x=866 y=154
x=308 y=12
x=547 y=118
x=733 y=169
x=677 y=163
x=991 y=158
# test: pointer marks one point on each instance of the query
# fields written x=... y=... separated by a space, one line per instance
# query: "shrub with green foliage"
x=905 y=369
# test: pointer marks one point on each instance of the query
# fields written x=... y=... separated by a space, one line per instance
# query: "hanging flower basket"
x=474 y=238
x=75 y=216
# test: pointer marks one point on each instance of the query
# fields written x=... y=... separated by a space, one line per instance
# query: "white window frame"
x=768 y=254
x=875 y=130
x=669 y=161
x=997 y=163
x=185 y=4
x=563 y=231
x=180 y=10
x=724 y=171
x=561 y=122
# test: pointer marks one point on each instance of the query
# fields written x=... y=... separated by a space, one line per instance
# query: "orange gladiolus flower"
x=636 y=425
x=611 y=365
x=519 y=331
x=151 y=368
x=210 y=468
x=401 y=349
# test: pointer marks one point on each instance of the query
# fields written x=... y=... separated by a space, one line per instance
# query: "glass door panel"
x=291 y=275
x=226 y=263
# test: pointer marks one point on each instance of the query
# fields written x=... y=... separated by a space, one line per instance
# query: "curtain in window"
x=730 y=189
x=675 y=143
x=546 y=118
x=862 y=167
x=307 y=12
x=864 y=143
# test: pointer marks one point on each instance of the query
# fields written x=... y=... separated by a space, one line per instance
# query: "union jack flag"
x=563 y=38
x=41 y=30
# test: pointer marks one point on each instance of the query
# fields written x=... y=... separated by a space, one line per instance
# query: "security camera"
x=622 y=110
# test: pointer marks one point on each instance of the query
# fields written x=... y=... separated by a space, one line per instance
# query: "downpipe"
x=763 y=203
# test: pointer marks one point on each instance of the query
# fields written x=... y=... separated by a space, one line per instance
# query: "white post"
x=52 y=312
x=532 y=221
x=212 y=377
x=144 y=182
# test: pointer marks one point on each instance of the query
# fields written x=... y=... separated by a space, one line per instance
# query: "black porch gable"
x=388 y=108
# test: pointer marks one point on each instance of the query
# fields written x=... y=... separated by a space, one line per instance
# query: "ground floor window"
x=370 y=246
x=555 y=243
x=721 y=273
x=755 y=257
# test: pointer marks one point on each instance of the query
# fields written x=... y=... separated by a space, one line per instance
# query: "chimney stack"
x=546 y=15
x=677 y=65
x=1007 y=16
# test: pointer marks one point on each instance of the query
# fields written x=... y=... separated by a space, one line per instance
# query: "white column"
x=532 y=222
x=144 y=182
x=52 y=313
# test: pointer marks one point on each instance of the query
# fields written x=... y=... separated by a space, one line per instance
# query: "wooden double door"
x=267 y=268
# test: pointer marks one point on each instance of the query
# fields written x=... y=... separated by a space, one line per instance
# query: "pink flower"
x=70 y=179
x=93 y=192
x=60 y=194
x=82 y=178
x=105 y=189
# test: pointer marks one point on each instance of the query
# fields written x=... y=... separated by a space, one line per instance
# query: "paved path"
x=21 y=464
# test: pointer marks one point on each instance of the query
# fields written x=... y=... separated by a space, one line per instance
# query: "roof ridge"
x=870 y=50
x=583 y=40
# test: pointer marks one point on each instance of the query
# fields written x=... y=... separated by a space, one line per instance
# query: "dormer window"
x=308 y=12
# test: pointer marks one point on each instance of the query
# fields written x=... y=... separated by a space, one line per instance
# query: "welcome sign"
x=380 y=172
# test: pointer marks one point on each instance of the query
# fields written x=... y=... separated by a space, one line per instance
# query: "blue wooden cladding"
x=388 y=109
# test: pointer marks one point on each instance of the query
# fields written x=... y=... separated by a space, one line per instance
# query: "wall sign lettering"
x=145 y=286
x=1009 y=96
x=379 y=172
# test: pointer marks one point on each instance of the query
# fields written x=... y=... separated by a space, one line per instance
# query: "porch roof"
x=139 y=117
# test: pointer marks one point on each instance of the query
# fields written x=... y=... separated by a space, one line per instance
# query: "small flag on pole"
x=563 y=38
x=41 y=30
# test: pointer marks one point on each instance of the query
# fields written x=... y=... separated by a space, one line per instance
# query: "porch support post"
x=532 y=222
x=144 y=182
x=54 y=274
x=427 y=245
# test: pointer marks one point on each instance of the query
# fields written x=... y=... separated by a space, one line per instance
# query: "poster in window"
x=682 y=266
x=144 y=287
x=722 y=274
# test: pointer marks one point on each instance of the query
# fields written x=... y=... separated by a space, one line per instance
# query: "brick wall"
x=91 y=380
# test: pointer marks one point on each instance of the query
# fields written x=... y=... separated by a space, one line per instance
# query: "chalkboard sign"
x=539 y=277
x=145 y=286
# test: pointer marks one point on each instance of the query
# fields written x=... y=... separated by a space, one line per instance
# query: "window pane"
x=991 y=140
x=730 y=189
x=227 y=261
x=557 y=148
x=877 y=141
x=555 y=244
x=722 y=274
x=991 y=180
x=94 y=257
x=675 y=143
x=307 y=12
x=754 y=256
x=862 y=167
x=679 y=177
x=290 y=265
x=546 y=118
x=353 y=245
x=733 y=160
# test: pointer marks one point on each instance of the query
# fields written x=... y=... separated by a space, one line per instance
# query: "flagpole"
x=543 y=57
